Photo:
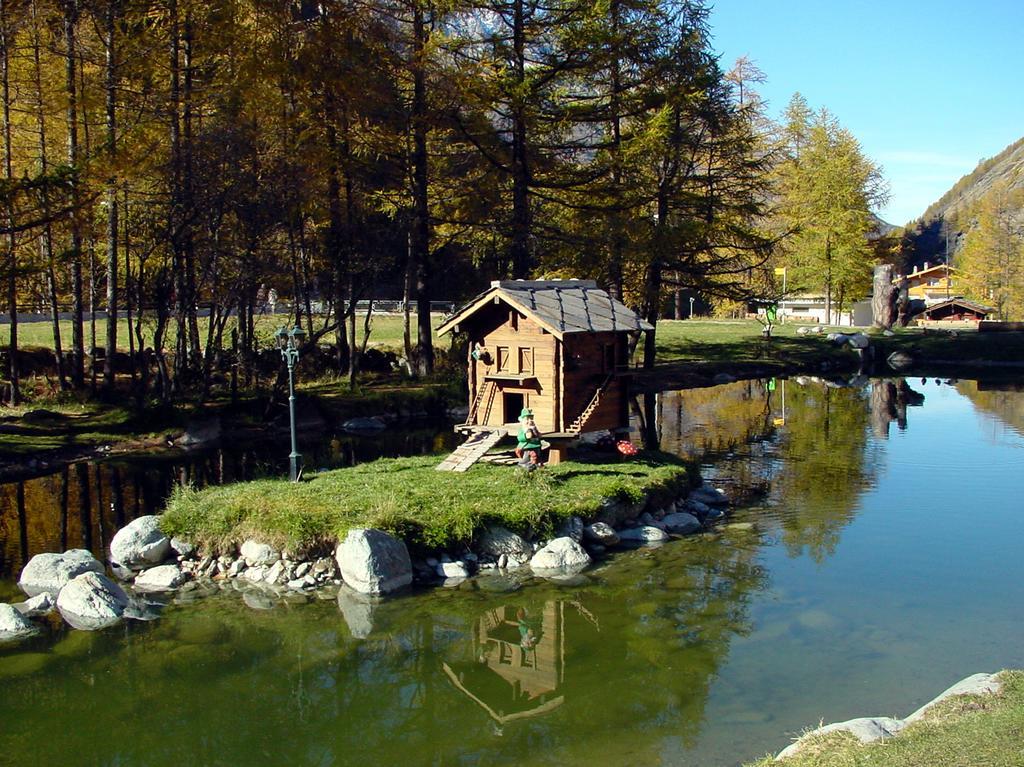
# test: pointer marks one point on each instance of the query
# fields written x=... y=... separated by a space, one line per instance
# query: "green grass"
x=732 y=341
x=386 y=330
x=726 y=341
x=967 y=731
x=406 y=496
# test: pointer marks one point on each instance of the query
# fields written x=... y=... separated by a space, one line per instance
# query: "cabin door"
x=513 y=405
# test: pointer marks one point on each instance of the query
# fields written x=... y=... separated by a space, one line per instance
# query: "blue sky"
x=929 y=88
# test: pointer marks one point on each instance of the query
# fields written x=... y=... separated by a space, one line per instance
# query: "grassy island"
x=407 y=497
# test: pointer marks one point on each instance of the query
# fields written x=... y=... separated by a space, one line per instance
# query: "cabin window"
x=525 y=359
x=503 y=359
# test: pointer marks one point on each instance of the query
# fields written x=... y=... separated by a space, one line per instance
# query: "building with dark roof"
x=558 y=347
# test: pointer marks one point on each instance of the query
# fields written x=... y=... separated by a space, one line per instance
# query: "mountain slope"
x=928 y=235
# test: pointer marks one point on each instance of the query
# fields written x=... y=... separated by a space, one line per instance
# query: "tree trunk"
x=175 y=212
x=883 y=297
x=520 y=251
x=70 y=9
x=128 y=291
x=420 y=245
x=336 y=236
x=46 y=243
x=617 y=245
x=12 y=282
x=111 y=195
x=407 y=304
x=653 y=282
x=191 y=293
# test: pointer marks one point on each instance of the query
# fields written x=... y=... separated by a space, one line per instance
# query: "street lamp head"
x=298 y=335
x=282 y=338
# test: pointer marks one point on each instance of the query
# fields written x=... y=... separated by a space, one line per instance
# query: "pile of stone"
x=369 y=563
x=575 y=545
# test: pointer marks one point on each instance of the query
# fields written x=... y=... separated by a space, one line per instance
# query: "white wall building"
x=810 y=310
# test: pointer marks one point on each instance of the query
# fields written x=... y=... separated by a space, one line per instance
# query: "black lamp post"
x=289 y=342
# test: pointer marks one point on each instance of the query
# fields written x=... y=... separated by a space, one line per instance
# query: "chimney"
x=925 y=266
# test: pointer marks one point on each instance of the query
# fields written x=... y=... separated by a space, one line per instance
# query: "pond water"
x=878 y=564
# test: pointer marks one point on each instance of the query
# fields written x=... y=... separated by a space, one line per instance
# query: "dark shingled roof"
x=564 y=306
x=974 y=306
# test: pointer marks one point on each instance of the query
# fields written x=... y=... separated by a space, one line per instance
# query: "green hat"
x=527 y=413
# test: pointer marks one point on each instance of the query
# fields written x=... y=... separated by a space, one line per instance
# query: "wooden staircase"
x=471 y=451
x=577 y=426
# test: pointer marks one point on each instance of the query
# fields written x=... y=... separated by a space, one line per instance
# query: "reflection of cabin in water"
x=515 y=677
x=558 y=347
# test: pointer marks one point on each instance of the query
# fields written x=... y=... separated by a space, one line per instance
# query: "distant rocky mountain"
x=882 y=228
x=927 y=236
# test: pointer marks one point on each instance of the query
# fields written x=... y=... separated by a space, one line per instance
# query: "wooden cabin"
x=558 y=347
x=955 y=310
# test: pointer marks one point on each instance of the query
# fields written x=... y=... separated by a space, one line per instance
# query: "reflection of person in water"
x=529 y=632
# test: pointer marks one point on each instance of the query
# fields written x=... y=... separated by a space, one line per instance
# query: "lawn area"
x=407 y=497
x=966 y=731
x=725 y=341
x=385 y=331
x=737 y=341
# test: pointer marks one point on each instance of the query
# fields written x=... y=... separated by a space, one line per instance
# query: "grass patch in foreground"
x=406 y=496
x=967 y=731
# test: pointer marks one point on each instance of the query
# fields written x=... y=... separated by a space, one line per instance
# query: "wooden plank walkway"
x=471 y=451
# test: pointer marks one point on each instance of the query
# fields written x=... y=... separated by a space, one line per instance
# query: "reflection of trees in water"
x=1004 y=401
x=815 y=458
x=825 y=467
x=703 y=423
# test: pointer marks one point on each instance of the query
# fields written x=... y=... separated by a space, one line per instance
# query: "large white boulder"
x=859 y=341
x=92 y=601
x=255 y=553
x=140 y=544
x=161 y=578
x=457 y=569
x=976 y=684
x=51 y=572
x=373 y=562
x=865 y=729
x=681 y=523
x=14 y=625
x=560 y=554
x=497 y=540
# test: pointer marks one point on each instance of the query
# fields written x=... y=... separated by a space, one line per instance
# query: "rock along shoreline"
x=876 y=728
x=147 y=569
